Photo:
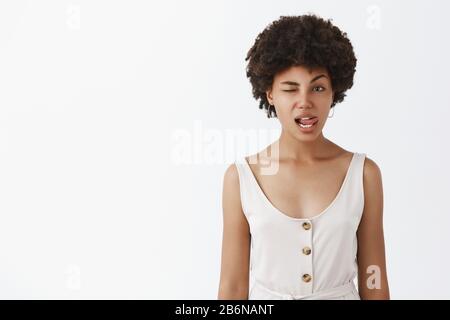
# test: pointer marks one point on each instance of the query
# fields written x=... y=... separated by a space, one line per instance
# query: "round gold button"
x=306 y=225
x=306 y=250
x=306 y=277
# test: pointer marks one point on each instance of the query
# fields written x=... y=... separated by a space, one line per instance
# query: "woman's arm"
x=234 y=274
x=372 y=275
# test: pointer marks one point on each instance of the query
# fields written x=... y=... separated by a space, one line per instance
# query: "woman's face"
x=302 y=92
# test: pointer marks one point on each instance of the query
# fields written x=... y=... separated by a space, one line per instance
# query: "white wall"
x=97 y=200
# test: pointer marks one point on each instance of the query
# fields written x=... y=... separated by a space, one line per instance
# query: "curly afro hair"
x=306 y=40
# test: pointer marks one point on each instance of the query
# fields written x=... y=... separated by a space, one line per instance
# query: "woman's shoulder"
x=371 y=169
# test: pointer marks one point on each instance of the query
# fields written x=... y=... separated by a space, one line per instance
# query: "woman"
x=304 y=216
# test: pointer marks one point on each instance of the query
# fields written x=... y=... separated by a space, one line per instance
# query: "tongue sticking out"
x=308 y=121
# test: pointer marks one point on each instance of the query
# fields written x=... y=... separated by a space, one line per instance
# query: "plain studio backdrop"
x=119 y=118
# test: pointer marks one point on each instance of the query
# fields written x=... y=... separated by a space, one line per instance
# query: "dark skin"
x=310 y=172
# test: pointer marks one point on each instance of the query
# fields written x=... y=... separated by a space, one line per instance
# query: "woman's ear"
x=269 y=96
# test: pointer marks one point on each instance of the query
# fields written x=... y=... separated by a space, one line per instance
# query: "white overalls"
x=311 y=258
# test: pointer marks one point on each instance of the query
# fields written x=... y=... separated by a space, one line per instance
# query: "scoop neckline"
x=272 y=206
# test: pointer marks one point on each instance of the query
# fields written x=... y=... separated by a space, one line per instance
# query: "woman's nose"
x=303 y=99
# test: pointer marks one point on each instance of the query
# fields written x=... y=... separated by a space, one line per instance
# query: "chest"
x=303 y=191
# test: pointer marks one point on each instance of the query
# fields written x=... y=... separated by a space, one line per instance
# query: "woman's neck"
x=302 y=151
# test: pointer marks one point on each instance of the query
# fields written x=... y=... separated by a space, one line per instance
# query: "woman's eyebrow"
x=293 y=83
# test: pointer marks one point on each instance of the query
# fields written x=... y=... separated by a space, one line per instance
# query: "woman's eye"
x=320 y=89
x=316 y=89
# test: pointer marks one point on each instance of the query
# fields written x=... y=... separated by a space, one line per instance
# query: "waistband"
x=323 y=294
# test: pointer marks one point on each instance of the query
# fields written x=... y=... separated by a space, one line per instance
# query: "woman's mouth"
x=307 y=124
